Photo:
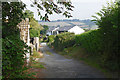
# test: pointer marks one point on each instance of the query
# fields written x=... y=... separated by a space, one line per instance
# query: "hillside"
x=85 y=24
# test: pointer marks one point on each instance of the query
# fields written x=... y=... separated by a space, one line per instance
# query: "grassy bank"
x=34 y=64
x=37 y=54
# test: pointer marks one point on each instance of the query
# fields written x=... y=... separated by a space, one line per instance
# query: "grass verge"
x=48 y=52
x=37 y=54
x=35 y=63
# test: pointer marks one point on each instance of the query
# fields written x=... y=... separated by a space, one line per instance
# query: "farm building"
x=72 y=29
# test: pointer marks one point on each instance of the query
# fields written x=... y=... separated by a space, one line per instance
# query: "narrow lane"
x=57 y=66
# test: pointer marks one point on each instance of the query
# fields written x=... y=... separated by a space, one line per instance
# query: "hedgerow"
x=91 y=41
x=64 y=40
x=51 y=39
x=101 y=43
x=13 y=48
x=13 y=55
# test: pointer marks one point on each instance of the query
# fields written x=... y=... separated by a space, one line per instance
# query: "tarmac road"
x=57 y=66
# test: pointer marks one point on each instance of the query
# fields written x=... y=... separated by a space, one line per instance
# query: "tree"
x=28 y=14
x=49 y=7
x=35 y=27
x=44 y=31
x=34 y=33
x=110 y=29
x=12 y=47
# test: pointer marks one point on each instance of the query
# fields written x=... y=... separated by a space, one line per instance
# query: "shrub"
x=91 y=41
x=13 y=55
x=51 y=39
x=109 y=25
x=64 y=40
x=34 y=33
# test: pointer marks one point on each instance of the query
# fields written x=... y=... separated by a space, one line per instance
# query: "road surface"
x=57 y=66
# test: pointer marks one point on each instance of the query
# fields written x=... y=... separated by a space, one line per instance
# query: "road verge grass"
x=48 y=52
x=37 y=54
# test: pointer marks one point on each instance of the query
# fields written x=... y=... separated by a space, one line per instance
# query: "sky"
x=83 y=9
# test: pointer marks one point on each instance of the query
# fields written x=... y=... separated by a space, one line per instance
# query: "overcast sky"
x=84 y=9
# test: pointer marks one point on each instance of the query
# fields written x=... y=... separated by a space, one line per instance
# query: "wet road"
x=57 y=66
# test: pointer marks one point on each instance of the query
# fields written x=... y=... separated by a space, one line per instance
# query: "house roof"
x=65 y=28
x=51 y=28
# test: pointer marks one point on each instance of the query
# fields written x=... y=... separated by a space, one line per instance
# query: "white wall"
x=49 y=33
x=36 y=43
x=76 y=30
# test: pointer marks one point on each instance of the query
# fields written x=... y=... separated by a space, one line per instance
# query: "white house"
x=58 y=30
x=72 y=29
x=52 y=31
x=76 y=30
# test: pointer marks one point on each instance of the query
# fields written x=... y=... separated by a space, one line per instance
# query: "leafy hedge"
x=110 y=28
x=13 y=55
x=91 y=41
x=64 y=40
x=51 y=39
x=102 y=43
x=13 y=60
x=94 y=42
x=34 y=33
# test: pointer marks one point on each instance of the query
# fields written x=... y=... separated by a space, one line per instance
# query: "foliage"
x=35 y=64
x=45 y=39
x=48 y=52
x=44 y=31
x=51 y=39
x=12 y=47
x=13 y=55
x=28 y=14
x=50 y=7
x=91 y=41
x=34 y=33
x=101 y=44
x=36 y=54
x=109 y=25
x=64 y=40
x=35 y=26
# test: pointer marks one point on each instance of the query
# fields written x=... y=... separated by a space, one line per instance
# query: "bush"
x=91 y=41
x=109 y=25
x=13 y=55
x=102 y=43
x=94 y=42
x=51 y=39
x=34 y=33
x=64 y=40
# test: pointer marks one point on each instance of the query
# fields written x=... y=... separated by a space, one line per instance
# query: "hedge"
x=91 y=41
x=64 y=40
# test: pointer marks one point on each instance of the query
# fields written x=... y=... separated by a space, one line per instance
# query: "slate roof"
x=66 y=28
x=51 y=28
